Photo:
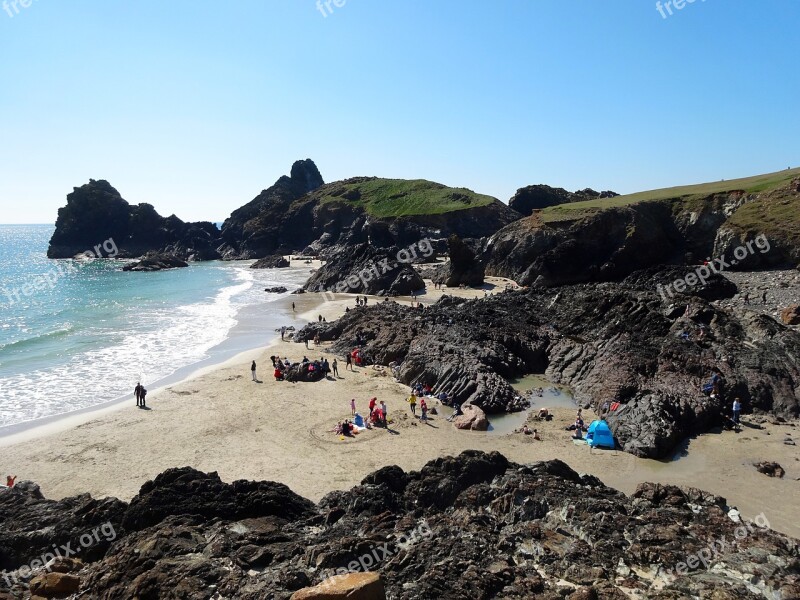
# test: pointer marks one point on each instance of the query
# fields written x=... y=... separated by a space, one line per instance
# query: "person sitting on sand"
x=536 y=436
x=525 y=429
x=543 y=413
x=456 y=412
x=346 y=428
x=578 y=435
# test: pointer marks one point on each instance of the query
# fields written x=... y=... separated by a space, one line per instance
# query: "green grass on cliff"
x=401 y=198
x=685 y=193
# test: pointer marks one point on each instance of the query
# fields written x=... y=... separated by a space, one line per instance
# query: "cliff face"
x=471 y=527
x=577 y=243
x=96 y=213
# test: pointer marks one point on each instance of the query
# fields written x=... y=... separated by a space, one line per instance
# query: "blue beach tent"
x=599 y=435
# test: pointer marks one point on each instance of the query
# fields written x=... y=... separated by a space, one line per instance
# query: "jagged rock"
x=772 y=469
x=96 y=213
x=470 y=526
x=537 y=197
x=277 y=290
x=464 y=266
x=366 y=269
x=473 y=419
x=300 y=372
x=271 y=262
x=156 y=262
x=620 y=341
x=791 y=315
x=351 y=586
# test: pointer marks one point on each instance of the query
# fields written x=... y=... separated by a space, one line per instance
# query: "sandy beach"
x=220 y=420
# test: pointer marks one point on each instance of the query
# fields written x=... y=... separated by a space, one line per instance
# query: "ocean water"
x=77 y=334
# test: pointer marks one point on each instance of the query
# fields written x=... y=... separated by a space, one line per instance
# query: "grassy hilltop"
x=385 y=198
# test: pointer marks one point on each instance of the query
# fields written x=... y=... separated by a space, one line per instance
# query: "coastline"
x=217 y=419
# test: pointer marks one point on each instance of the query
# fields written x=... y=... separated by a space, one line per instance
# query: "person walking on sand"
x=335 y=367
x=293 y=307
x=253 y=371
x=137 y=391
x=349 y=362
x=423 y=406
x=412 y=403
x=144 y=395
x=353 y=406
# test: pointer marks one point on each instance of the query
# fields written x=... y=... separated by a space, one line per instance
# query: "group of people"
x=282 y=366
x=378 y=416
x=578 y=427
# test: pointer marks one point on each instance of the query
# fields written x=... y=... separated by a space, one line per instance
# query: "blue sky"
x=195 y=106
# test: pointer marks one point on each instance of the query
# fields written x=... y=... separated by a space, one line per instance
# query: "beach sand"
x=220 y=420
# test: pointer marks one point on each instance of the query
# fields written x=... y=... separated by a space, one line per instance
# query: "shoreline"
x=219 y=420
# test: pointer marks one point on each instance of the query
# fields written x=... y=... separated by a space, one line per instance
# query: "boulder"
x=772 y=469
x=464 y=266
x=473 y=419
x=276 y=290
x=349 y=586
x=271 y=262
x=54 y=585
x=791 y=315
x=156 y=262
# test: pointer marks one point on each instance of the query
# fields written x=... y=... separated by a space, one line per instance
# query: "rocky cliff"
x=591 y=241
x=96 y=213
x=470 y=527
x=609 y=342
x=537 y=197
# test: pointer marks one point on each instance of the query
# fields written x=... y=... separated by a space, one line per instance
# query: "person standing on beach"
x=335 y=366
x=385 y=411
x=349 y=362
x=293 y=307
x=10 y=479
x=253 y=371
x=423 y=406
x=737 y=409
x=283 y=332
x=137 y=391
x=143 y=395
x=353 y=406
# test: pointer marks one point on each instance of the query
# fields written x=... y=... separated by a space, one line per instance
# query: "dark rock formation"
x=772 y=469
x=472 y=527
x=277 y=290
x=268 y=224
x=464 y=266
x=271 y=262
x=366 y=269
x=301 y=372
x=96 y=213
x=156 y=262
x=537 y=197
x=609 y=342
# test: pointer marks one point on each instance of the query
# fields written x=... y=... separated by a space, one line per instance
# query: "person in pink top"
x=353 y=406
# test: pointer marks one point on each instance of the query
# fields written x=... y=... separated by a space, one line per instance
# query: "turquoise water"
x=76 y=334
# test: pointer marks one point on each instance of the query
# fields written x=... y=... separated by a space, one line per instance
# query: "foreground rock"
x=623 y=342
x=271 y=262
x=471 y=527
x=473 y=419
x=156 y=262
x=351 y=586
x=791 y=315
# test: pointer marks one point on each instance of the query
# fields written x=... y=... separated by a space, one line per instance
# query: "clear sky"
x=196 y=106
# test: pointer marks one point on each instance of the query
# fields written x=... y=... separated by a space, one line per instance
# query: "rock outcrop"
x=537 y=197
x=366 y=269
x=473 y=419
x=791 y=315
x=464 y=267
x=625 y=342
x=156 y=262
x=271 y=262
x=97 y=219
x=471 y=527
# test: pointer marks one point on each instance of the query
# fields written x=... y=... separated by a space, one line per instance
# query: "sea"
x=78 y=334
